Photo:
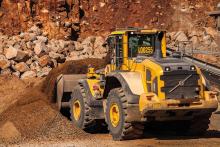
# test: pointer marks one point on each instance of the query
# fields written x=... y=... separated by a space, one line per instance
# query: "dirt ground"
x=212 y=139
x=28 y=118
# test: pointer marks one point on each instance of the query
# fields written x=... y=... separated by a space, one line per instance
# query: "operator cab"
x=136 y=44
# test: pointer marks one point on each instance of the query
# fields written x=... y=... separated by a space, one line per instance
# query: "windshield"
x=141 y=45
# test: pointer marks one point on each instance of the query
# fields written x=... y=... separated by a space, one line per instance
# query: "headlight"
x=192 y=68
x=167 y=69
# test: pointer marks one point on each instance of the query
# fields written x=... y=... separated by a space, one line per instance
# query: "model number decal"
x=145 y=50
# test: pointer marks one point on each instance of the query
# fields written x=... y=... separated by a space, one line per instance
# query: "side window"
x=111 y=42
x=119 y=50
x=115 y=44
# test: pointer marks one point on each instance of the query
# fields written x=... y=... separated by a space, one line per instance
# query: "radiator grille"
x=188 y=90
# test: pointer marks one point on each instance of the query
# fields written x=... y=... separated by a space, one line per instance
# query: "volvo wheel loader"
x=139 y=85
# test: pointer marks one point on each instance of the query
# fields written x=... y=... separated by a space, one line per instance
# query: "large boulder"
x=6 y=71
x=211 y=31
x=59 y=57
x=10 y=52
x=98 y=46
x=39 y=47
x=30 y=37
x=28 y=74
x=44 y=60
x=22 y=56
x=35 y=30
x=78 y=46
x=21 y=67
x=180 y=36
x=42 y=39
x=4 y=62
x=44 y=72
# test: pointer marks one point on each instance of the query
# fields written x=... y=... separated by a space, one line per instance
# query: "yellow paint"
x=148 y=99
x=114 y=115
x=76 y=110
x=164 y=46
x=91 y=83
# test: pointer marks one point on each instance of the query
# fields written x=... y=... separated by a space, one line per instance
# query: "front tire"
x=116 y=116
x=80 y=110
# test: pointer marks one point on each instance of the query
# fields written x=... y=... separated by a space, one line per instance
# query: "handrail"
x=202 y=64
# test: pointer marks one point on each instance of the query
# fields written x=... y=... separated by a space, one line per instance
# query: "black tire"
x=85 y=121
x=124 y=130
x=195 y=127
x=199 y=125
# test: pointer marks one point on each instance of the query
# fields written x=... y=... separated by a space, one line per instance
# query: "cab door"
x=115 y=44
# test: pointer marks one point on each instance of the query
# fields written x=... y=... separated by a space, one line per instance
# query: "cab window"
x=141 y=45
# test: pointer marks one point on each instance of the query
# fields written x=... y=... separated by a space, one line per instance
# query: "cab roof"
x=122 y=31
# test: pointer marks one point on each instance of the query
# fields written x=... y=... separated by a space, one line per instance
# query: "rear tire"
x=199 y=125
x=120 y=128
x=195 y=127
x=84 y=119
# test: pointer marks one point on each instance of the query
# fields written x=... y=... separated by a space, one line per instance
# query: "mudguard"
x=132 y=85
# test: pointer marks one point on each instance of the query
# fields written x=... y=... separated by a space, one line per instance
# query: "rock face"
x=32 y=54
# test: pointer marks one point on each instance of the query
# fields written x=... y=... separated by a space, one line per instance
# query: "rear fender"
x=132 y=87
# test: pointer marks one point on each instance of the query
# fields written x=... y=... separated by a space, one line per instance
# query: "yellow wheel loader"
x=139 y=85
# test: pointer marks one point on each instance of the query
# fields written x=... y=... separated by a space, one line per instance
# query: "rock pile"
x=32 y=54
x=204 y=44
x=200 y=40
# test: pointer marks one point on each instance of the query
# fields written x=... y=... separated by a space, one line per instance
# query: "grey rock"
x=207 y=40
x=56 y=56
x=44 y=60
x=39 y=47
x=78 y=46
x=17 y=46
x=22 y=56
x=180 y=36
x=6 y=71
x=35 y=30
x=42 y=39
x=44 y=72
x=67 y=24
x=35 y=66
x=10 y=52
x=28 y=74
x=195 y=41
x=4 y=62
x=30 y=44
x=32 y=37
x=16 y=73
x=21 y=67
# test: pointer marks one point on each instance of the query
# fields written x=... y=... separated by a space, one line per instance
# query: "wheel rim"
x=76 y=110
x=114 y=115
